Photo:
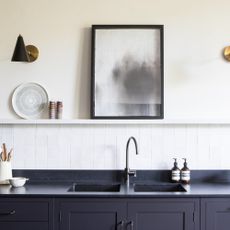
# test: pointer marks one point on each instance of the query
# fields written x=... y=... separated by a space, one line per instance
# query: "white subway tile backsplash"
x=104 y=146
x=41 y=150
x=192 y=146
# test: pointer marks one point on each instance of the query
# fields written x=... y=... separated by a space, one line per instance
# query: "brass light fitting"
x=227 y=53
x=24 y=53
x=33 y=52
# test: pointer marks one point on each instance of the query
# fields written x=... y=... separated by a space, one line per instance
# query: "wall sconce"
x=227 y=53
x=24 y=53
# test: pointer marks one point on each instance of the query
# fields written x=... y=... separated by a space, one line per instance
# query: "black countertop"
x=61 y=190
x=56 y=183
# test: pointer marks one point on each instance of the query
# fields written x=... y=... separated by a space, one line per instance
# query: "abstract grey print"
x=127 y=72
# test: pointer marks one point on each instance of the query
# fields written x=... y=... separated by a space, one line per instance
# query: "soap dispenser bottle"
x=185 y=173
x=175 y=172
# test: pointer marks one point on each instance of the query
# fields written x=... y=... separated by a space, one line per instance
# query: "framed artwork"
x=127 y=72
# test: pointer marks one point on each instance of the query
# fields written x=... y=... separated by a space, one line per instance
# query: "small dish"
x=18 y=181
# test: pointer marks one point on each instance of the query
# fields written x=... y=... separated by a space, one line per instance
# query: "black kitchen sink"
x=159 y=188
x=94 y=188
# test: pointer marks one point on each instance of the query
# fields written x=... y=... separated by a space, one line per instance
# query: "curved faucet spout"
x=128 y=172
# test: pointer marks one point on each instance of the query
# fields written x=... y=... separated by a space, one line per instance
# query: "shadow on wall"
x=83 y=79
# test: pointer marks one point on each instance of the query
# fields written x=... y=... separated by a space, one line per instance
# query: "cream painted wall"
x=197 y=82
x=197 y=78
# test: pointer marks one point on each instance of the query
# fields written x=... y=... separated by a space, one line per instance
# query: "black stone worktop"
x=55 y=183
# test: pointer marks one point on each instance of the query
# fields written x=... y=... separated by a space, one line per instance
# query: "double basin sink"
x=136 y=187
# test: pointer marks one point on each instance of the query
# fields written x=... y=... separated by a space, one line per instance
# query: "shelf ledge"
x=115 y=122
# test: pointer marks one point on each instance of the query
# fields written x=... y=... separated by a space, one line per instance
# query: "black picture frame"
x=126 y=72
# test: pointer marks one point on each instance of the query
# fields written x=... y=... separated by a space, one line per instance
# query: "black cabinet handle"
x=131 y=224
x=7 y=213
x=121 y=224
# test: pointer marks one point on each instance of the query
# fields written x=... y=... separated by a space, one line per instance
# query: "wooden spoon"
x=4 y=152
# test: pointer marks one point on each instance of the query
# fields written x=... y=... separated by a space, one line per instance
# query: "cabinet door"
x=215 y=214
x=25 y=214
x=24 y=226
x=163 y=214
x=91 y=215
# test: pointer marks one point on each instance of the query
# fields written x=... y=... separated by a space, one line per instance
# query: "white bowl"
x=18 y=181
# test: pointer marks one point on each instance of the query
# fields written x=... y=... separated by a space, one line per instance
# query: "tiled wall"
x=103 y=146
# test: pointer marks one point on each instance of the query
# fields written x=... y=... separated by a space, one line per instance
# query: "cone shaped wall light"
x=24 y=53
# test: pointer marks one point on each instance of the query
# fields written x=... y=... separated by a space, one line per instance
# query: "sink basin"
x=94 y=188
x=159 y=188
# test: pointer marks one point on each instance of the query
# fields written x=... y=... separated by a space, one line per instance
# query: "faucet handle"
x=132 y=173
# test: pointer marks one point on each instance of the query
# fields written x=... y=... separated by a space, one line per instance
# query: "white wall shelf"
x=115 y=122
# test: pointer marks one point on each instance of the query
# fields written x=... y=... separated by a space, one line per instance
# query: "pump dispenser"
x=175 y=172
x=185 y=173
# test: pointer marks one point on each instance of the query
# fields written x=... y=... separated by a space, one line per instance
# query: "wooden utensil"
x=4 y=152
x=9 y=156
x=1 y=157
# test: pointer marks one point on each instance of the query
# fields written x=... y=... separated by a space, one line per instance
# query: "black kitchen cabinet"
x=215 y=214
x=163 y=214
x=128 y=214
x=26 y=214
x=90 y=214
x=115 y=213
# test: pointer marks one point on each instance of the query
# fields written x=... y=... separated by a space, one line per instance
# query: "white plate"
x=30 y=100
